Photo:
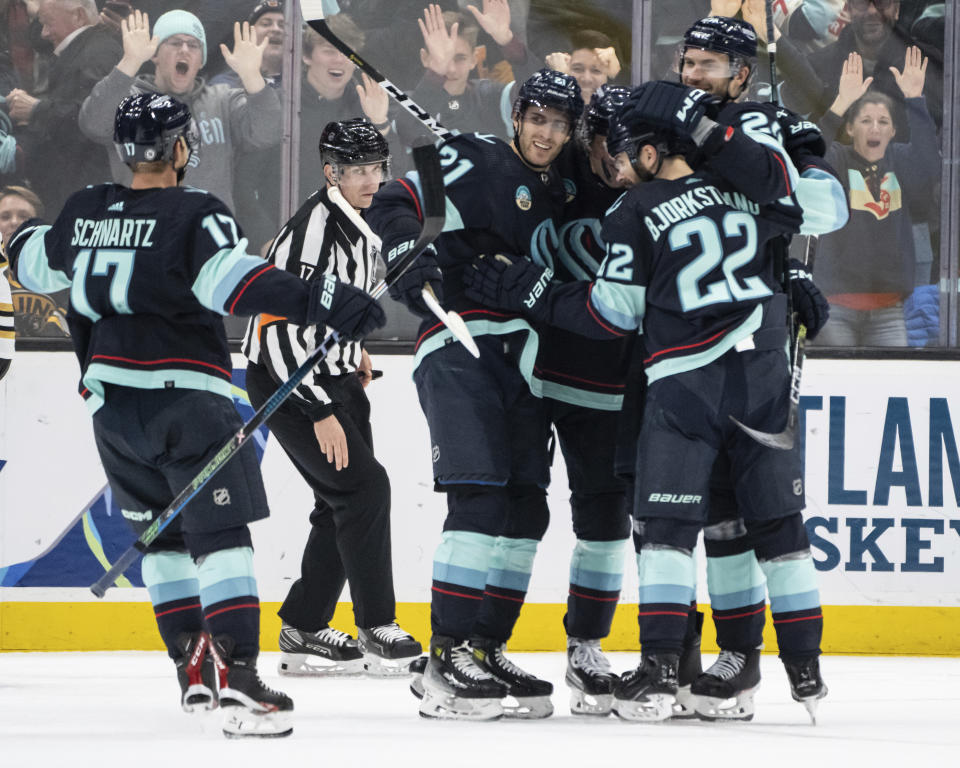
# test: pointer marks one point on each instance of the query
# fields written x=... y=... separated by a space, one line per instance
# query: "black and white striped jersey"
x=320 y=239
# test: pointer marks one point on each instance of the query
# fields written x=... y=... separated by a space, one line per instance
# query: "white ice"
x=121 y=708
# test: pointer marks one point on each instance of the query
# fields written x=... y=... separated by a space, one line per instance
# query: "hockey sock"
x=737 y=599
x=795 y=604
x=667 y=579
x=460 y=567
x=596 y=576
x=228 y=591
x=508 y=577
x=171 y=580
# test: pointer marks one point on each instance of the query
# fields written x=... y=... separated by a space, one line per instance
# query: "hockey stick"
x=312 y=11
x=785 y=439
x=451 y=319
x=427 y=162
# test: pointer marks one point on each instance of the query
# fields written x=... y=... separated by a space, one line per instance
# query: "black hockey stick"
x=427 y=162
x=313 y=14
x=784 y=439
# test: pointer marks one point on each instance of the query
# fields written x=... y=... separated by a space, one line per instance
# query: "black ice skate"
x=689 y=669
x=250 y=709
x=589 y=677
x=806 y=685
x=387 y=650
x=455 y=687
x=726 y=690
x=647 y=693
x=326 y=652
x=417 y=667
x=196 y=673
x=528 y=697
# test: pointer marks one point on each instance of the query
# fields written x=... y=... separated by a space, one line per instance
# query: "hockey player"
x=152 y=268
x=713 y=332
x=582 y=381
x=324 y=426
x=489 y=432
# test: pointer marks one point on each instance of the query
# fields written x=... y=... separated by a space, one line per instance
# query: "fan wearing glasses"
x=811 y=81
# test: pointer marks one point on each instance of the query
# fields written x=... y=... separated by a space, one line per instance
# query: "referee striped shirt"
x=319 y=240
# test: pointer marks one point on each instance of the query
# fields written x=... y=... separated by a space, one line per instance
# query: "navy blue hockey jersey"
x=150 y=274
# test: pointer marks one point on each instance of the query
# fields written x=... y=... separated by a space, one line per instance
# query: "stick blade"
x=781 y=441
x=312 y=10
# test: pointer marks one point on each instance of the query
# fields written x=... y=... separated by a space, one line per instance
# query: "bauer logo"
x=524 y=198
x=221 y=497
x=675 y=498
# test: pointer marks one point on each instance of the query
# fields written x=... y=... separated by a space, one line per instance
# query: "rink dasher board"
x=883 y=517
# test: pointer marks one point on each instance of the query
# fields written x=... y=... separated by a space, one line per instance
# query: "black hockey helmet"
x=603 y=106
x=148 y=125
x=629 y=130
x=549 y=88
x=353 y=142
x=723 y=34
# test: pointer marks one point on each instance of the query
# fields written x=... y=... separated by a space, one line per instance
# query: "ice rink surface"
x=121 y=708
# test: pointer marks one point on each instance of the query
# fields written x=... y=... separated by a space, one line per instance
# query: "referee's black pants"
x=350 y=524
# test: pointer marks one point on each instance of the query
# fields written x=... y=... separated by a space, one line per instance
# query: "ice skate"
x=806 y=685
x=589 y=677
x=196 y=673
x=417 y=668
x=250 y=709
x=528 y=697
x=456 y=687
x=689 y=669
x=648 y=693
x=326 y=652
x=387 y=650
x=726 y=690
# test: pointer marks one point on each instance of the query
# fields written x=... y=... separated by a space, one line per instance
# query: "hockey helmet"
x=549 y=88
x=603 y=106
x=629 y=130
x=723 y=34
x=148 y=125
x=353 y=142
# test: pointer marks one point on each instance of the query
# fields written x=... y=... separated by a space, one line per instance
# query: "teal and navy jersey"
x=687 y=267
x=569 y=367
x=495 y=204
x=151 y=272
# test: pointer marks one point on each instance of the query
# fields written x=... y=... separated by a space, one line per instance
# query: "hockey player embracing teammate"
x=687 y=268
x=489 y=433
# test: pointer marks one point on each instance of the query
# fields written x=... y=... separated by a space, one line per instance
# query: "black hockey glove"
x=672 y=106
x=407 y=288
x=343 y=307
x=808 y=302
x=517 y=284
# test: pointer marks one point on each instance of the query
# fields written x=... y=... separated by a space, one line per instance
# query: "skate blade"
x=198 y=698
x=527 y=707
x=308 y=665
x=735 y=708
x=377 y=666
x=685 y=707
x=654 y=708
x=444 y=706
x=241 y=723
x=811 y=703
x=590 y=704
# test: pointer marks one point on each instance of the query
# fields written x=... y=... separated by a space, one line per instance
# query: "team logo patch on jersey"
x=436 y=454
x=571 y=189
x=221 y=497
x=798 y=487
x=524 y=198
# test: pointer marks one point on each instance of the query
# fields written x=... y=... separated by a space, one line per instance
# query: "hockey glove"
x=343 y=307
x=407 y=288
x=808 y=302
x=672 y=106
x=517 y=284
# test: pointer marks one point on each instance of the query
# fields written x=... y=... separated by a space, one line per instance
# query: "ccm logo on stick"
x=674 y=498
